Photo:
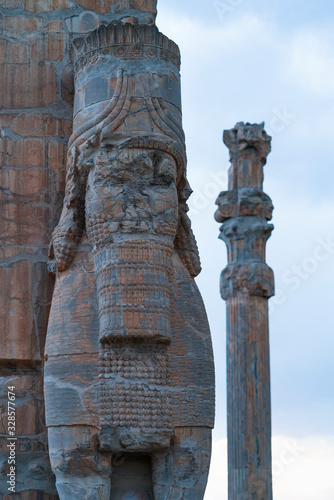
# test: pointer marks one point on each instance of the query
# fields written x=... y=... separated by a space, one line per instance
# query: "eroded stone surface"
x=35 y=127
x=126 y=192
x=246 y=284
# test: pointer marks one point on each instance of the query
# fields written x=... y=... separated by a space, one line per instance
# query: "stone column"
x=246 y=284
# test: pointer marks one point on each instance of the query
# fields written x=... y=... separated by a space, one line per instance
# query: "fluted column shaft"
x=246 y=284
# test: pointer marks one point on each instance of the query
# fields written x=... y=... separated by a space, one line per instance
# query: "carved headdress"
x=128 y=90
x=127 y=94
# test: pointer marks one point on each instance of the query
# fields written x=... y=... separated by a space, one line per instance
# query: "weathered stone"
x=246 y=284
x=11 y=4
x=38 y=85
x=33 y=473
x=55 y=26
x=32 y=178
x=51 y=48
x=45 y=5
x=18 y=52
x=127 y=190
x=127 y=130
x=67 y=84
x=39 y=124
x=25 y=292
x=18 y=23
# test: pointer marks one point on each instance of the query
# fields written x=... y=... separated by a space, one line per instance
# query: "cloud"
x=194 y=35
x=305 y=472
x=217 y=483
x=312 y=62
x=302 y=469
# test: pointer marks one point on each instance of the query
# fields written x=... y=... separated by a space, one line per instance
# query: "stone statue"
x=129 y=381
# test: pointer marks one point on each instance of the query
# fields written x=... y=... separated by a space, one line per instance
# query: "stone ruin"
x=105 y=346
x=246 y=284
x=104 y=337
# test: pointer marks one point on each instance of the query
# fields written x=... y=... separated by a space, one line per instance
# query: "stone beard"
x=129 y=381
x=131 y=219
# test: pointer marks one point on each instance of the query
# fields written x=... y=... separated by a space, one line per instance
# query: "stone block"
x=11 y=4
x=100 y=6
x=90 y=4
x=29 y=184
x=4 y=179
x=34 y=124
x=14 y=252
x=51 y=48
x=82 y=24
x=6 y=120
x=25 y=152
x=73 y=378
x=97 y=90
x=55 y=25
x=56 y=155
x=29 y=403
x=28 y=85
x=17 y=53
x=38 y=124
x=25 y=290
x=141 y=5
x=18 y=23
x=3 y=45
x=144 y=5
x=45 y=5
x=24 y=224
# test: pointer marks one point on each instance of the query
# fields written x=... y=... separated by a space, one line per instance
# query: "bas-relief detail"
x=122 y=42
x=144 y=382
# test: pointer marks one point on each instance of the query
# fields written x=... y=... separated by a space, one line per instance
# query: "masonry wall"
x=36 y=92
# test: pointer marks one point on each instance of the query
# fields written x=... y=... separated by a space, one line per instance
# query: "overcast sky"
x=272 y=61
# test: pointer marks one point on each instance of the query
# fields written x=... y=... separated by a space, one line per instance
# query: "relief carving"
x=143 y=383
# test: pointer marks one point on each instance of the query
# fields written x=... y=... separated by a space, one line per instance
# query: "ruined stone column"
x=246 y=284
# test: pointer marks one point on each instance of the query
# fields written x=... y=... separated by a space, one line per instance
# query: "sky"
x=254 y=61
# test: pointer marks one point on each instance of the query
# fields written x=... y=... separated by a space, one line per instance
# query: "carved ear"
x=87 y=151
x=185 y=242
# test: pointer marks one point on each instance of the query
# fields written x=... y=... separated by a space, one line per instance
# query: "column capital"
x=249 y=147
x=245 y=211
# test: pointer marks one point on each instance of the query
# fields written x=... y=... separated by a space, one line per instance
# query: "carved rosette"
x=124 y=42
